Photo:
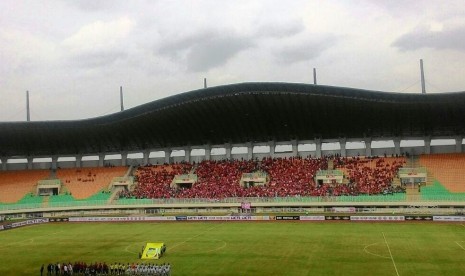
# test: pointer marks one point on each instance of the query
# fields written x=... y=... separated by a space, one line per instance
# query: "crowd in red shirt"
x=287 y=177
x=370 y=175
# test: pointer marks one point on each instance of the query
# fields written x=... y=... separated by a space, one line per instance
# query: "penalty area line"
x=390 y=253
x=460 y=245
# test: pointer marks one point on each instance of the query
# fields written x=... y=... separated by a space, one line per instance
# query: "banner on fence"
x=377 y=218
x=287 y=217
x=337 y=218
x=113 y=219
x=448 y=218
x=343 y=209
x=411 y=218
x=58 y=219
x=221 y=218
x=312 y=218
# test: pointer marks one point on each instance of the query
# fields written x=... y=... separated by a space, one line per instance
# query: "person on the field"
x=42 y=270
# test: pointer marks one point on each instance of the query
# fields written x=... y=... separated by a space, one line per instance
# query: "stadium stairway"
x=396 y=182
x=330 y=164
x=194 y=168
x=412 y=193
x=45 y=200
x=114 y=194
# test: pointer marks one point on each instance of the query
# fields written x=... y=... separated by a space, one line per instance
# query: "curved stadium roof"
x=241 y=113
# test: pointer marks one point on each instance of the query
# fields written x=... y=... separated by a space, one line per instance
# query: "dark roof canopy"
x=240 y=113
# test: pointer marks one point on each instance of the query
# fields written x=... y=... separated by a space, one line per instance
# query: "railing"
x=399 y=197
x=254 y=175
x=412 y=170
x=183 y=177
x=329 y=172
x=46 y=182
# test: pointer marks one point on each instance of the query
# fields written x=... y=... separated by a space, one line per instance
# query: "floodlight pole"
x=28 y=112
x=423 y=87
x=314 y=76
x=121 y=97
x=204 y=82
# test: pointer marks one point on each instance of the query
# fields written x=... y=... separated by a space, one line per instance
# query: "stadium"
x=280 y=176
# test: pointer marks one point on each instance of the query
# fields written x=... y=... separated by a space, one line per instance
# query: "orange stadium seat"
x=84 y=182
x=16 y=184
x=448 y=169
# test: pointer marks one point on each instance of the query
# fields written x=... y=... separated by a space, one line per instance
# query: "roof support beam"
x=249 y=151
x=168 y=155
x=427 y=144
x=78 y=161
x=208 y=152
x=342 y=143
x=318 y=147
x=458 y=144
x=124 y=158
x=368 y=147
x=4 y=163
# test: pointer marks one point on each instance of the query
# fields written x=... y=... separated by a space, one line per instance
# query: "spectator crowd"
x=292 y=176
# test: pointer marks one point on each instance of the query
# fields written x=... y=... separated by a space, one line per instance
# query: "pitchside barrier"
x=23 y=223
x=236 y=218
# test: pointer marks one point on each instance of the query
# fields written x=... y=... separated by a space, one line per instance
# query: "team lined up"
x=82 y=268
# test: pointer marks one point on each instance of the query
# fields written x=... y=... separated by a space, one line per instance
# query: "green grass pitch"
x=245 y=248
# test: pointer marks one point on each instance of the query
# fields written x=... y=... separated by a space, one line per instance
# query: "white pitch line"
x=371 y=253
x=394 y=263
x=127 y=249
x=216 y=249
x=183 y=242
x=28 y=240
x=460 y=245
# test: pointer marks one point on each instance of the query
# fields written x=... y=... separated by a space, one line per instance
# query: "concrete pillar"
x=318 y=148
x=208 y=152
x=367 y=147
x=4 y=163
x=397 y=146
x=29 y=163
x=342 y=143
x=228 y=148
x=54 y=162
x=168 y=156
x=458 y=144
x=124 y=159
x=101 y=159
x=295 y=152
x=78 y=161
x=187 y=156
x=145 y=157
x=272 y=145
x=427 y=145
x=249 y=151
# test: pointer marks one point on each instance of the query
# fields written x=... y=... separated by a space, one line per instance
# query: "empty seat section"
x=85 y=182
x=14 y=185
x=448 y=169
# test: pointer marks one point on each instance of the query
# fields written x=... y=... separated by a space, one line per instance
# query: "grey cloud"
x=305 y=50
x=280 y=31
x=97 y=59
x=214 y=52
x=424 y=38
x=206 y=50
x=94 y=5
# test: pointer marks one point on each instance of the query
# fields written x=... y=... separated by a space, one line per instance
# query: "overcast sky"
x=73 y=55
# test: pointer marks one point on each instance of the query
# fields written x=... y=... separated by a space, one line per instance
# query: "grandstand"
x=303 y=118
